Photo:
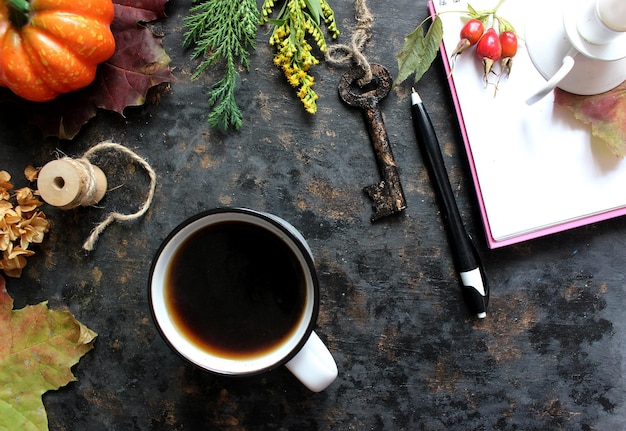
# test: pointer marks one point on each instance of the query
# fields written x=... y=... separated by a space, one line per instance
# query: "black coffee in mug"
x=235 y=290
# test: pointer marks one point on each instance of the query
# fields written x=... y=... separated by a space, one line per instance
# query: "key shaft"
x=387 y=196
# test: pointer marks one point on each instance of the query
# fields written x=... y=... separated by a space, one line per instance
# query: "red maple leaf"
x=138 y=64
x=606 y=113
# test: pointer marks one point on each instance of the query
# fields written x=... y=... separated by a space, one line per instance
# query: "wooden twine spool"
x=68 y=183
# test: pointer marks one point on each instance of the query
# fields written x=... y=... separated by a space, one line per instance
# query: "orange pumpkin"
x=51 y=47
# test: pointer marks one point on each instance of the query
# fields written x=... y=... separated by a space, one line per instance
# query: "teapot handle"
x=551 y=84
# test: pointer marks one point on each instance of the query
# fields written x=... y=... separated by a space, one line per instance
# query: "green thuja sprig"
x=222 y=31
x=296 y=20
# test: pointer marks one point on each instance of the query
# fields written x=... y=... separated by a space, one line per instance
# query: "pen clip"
x=482 y=304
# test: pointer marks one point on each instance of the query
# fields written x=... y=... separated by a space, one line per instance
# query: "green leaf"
x=504 y=25
x=472 y=11
x=419 y=51
x=276 y=22
x=39 y=346
x=315 y=9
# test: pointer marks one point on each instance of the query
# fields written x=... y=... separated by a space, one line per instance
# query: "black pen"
x=475 y=286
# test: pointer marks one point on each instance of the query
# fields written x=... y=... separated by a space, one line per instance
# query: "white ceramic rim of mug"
x=195 y=354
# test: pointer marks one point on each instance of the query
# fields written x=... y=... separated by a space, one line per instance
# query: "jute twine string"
x=340 y=54
x=87 y=177
x=87 y=193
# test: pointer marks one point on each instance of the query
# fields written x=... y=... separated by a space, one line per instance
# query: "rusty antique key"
x=387 y=195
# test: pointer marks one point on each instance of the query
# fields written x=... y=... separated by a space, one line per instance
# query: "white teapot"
x=578 y=46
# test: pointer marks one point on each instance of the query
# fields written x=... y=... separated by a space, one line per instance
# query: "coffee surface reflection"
x=235 y=290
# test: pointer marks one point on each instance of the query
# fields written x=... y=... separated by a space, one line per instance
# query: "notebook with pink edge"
x=536 y=169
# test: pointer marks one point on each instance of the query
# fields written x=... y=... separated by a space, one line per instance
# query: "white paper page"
x=536 y=165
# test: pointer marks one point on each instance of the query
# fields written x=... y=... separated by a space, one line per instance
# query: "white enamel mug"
x=300 y=349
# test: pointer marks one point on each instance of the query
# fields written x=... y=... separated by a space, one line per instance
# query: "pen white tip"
x=415 y=97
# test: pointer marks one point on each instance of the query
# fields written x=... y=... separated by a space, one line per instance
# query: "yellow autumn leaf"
x=38 y=347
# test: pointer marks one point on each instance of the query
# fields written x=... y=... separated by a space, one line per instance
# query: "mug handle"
x=314 y=365
x=566 y=67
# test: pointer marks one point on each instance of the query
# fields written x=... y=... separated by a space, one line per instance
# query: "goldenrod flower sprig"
x=296 y=20
x=20 y=226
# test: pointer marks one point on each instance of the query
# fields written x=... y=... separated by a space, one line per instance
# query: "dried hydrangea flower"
x=11 y=219
x=20 y=225
x=5 y=206
x=5 y=185
x=33 y=230
x=14 y=260
x=5 y=238
x=31 y=173
x=26 y=200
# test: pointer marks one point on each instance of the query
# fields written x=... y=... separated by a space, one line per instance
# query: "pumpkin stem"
x=18 y=12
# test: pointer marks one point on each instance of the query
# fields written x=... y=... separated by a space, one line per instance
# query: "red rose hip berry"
x=489 y=50
x=470 y=35
x=508 y=42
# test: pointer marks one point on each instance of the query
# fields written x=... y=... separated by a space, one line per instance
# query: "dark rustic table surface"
x=549 y=356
